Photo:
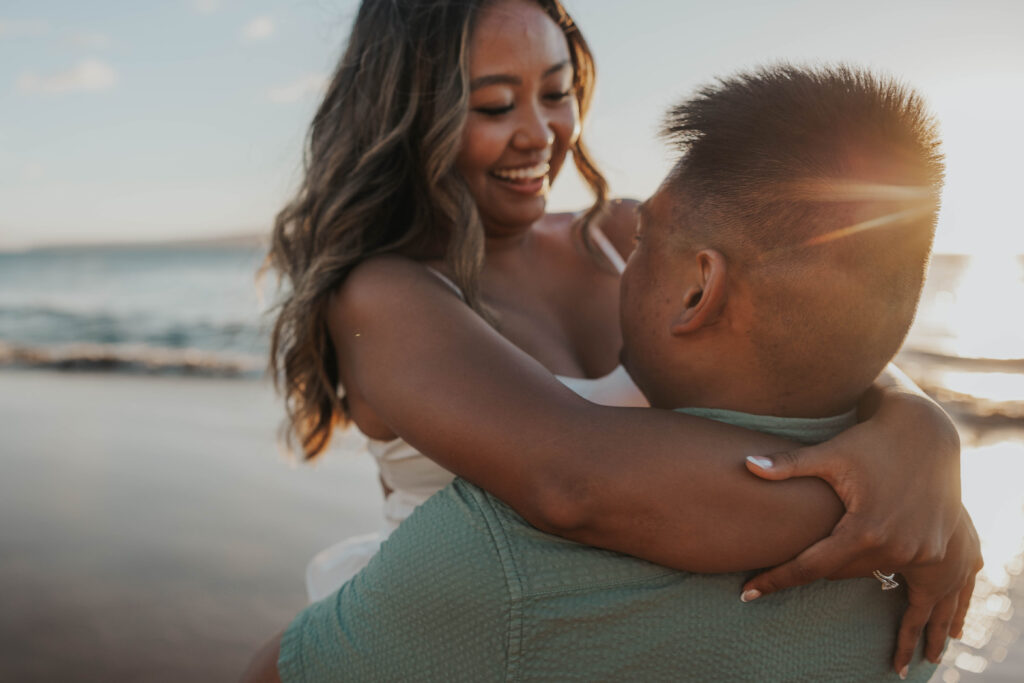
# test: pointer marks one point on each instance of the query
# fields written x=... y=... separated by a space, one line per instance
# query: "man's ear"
x=705 y=297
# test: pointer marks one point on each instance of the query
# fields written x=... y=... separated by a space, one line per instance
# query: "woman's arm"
x=656 y=484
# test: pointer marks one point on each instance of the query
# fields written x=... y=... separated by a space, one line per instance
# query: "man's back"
x=465 y=589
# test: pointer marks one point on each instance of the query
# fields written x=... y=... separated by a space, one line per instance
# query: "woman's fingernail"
x=750 y=595
x=904 y=671
x=760 y=461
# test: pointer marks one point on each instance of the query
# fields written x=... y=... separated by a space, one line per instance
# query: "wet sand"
x=152 y=531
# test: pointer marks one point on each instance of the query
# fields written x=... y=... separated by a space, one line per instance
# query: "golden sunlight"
x=985 y=308
x=991 y=490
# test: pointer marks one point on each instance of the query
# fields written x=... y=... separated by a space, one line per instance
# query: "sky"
x=123 y=120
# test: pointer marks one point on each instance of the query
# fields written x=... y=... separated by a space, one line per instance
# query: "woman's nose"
x=534 y=131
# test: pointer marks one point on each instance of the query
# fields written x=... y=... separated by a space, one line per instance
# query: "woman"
x=430 y=287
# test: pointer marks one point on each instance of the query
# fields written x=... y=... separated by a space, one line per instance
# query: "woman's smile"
x=530 y=180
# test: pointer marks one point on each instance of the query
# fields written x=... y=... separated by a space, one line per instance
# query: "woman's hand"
x=899 y=477
x=939 y=596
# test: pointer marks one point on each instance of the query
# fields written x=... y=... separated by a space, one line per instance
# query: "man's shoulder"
x=459 y=518
x=539 y=563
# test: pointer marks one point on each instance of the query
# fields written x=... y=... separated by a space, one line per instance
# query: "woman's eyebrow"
x=509 y=79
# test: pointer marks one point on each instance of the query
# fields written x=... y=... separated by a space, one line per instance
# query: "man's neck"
x=740 y=388
x=803 y=429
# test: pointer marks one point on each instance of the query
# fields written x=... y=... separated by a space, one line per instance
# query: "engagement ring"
x=888 y=580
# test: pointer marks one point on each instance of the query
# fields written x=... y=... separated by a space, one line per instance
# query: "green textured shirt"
x=466 y=590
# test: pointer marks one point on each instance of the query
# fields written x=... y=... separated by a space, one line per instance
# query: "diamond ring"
x=888 y=580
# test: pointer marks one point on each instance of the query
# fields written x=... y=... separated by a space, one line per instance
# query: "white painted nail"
x=750 y=595
x=904 y=671
x=761 y=461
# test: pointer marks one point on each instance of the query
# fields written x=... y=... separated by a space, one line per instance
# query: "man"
x=777 y=271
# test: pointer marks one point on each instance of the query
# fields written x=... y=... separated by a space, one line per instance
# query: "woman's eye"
x=558 y=96
x=493 y=111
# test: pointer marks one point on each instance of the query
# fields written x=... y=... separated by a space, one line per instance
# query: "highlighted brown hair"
x=380 y=178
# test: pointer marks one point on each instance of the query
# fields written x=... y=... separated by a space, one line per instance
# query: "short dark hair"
x=798 y=173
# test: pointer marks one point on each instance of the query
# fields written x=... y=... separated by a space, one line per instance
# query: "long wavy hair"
x=380 y=178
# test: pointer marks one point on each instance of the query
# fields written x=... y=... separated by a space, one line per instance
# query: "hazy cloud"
x=32 y=171
x=18 y=28
x=310 y=84
x=206 y=6
x=89 y=41
x=89 y=74
x=259 y=28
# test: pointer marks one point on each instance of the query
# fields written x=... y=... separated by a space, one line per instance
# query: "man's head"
x=779 y=264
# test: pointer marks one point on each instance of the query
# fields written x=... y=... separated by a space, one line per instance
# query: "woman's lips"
x=525 y=179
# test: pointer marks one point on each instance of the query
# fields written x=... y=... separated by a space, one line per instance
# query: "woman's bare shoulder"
x=383 y=284
x=380 y=271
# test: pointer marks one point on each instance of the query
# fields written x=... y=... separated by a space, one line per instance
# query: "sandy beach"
x=153 y=531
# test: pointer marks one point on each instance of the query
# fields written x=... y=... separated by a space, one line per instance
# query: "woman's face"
x=523 y=114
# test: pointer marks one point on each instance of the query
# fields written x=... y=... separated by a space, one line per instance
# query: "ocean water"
x=200 y=310
x=972 y=307
x=966 y=346
x=159 y=309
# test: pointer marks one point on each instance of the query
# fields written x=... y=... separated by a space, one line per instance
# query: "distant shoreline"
x=231 y=241
x=247 y=239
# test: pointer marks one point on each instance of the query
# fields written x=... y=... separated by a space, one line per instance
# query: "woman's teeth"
x=528 y=173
